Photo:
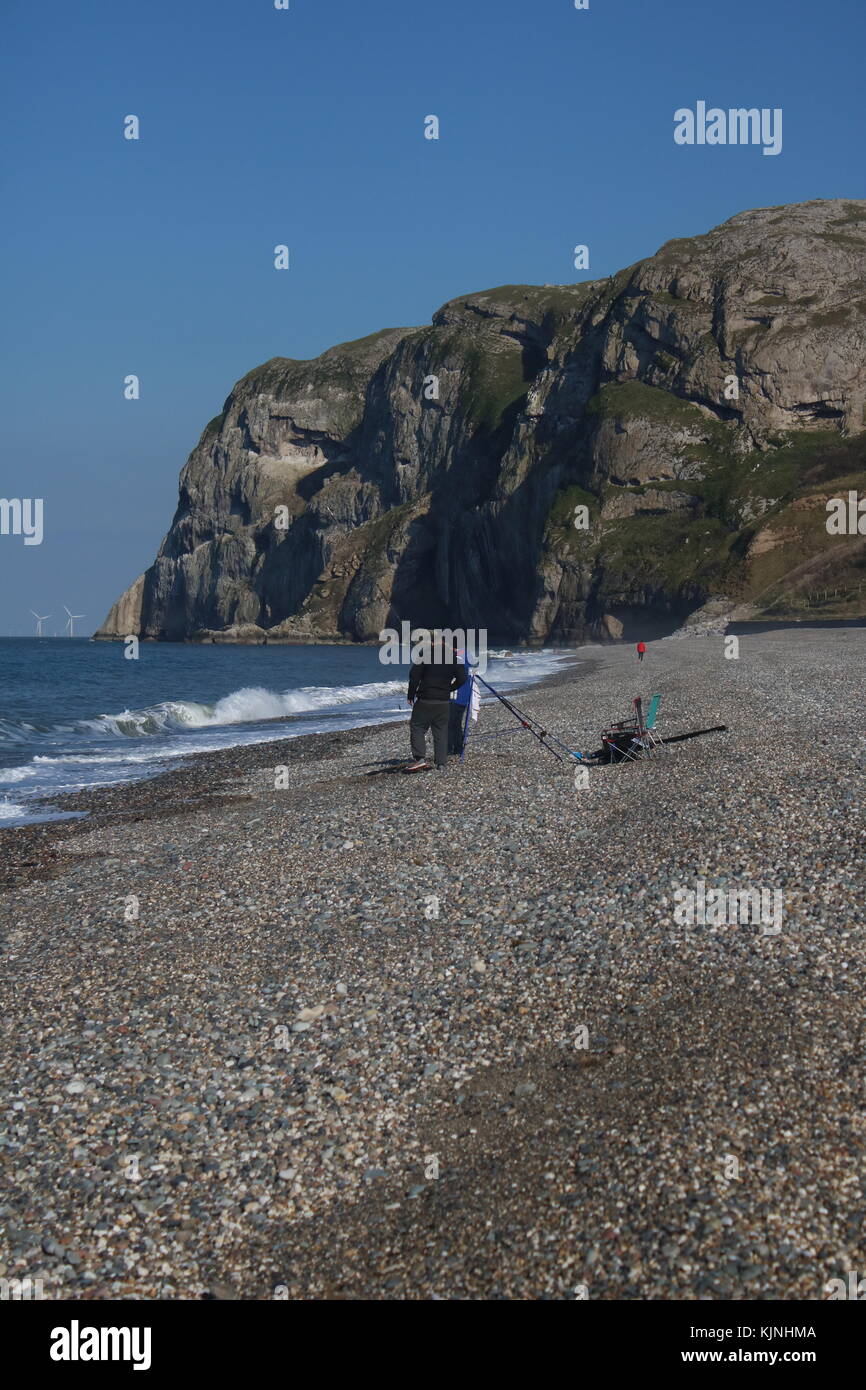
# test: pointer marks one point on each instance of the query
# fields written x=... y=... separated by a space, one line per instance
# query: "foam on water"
x=51 y=756
x=247 y=705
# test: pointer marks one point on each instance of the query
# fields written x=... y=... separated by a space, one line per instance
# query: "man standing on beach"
x=431 y=680
x=641 y=648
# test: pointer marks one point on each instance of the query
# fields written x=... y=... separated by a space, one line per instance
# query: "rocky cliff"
x=543 y=462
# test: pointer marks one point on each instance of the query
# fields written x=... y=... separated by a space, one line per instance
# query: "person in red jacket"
x=641 y=648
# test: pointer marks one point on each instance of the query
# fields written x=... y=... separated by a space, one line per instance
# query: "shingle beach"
x=414 y=1037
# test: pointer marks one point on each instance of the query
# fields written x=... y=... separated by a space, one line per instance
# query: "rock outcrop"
x=543 y=461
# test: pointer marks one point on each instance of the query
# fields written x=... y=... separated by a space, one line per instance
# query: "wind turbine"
x=40 y=619
x=70 y=623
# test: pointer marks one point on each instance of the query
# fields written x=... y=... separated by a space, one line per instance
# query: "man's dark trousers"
x=430 y=714
x=456 y=723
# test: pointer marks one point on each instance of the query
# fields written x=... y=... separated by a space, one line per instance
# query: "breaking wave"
x=44 y=754
x=251 y=704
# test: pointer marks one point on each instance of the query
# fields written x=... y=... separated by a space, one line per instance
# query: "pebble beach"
x=322 y=1034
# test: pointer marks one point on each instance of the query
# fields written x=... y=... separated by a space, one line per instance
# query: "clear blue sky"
x=305 y=127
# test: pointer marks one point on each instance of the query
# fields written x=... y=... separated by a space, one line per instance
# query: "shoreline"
x=29 y=851
x=751 y=625
x=388 y=1038
x=217 y=638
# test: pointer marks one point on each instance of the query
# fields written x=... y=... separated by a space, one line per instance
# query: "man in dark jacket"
x=430 y=686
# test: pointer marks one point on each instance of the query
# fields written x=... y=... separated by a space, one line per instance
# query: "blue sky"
x=305 y=127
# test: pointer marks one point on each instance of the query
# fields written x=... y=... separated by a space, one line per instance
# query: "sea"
x=77 y=714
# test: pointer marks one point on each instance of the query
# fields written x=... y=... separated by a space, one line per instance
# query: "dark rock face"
x=693 y=405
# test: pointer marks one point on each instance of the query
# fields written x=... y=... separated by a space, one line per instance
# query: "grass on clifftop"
x=347 y=366
x=535 y=303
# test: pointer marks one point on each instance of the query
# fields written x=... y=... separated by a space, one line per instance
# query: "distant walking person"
x=431 y=682
x=641 y=648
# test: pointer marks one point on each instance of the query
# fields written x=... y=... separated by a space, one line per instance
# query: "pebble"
x=271 y=1131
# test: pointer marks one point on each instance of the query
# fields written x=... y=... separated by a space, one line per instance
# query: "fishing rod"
x=696 y=733
x=535 y=727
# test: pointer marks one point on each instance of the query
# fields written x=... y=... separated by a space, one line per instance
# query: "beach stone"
x=254 y=1142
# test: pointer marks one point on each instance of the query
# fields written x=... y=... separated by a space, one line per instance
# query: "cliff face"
x=701 y=405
